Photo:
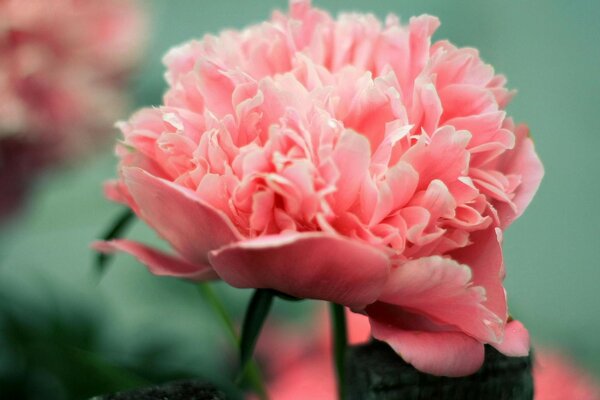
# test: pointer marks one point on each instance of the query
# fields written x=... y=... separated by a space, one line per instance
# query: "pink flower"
x=345 y=160
x=62 y=64
x=557 y=378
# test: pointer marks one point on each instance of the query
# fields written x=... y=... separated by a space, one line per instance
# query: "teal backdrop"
x=548 y=50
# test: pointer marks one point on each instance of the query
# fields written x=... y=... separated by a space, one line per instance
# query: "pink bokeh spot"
x=63 y=70
x=557 y=377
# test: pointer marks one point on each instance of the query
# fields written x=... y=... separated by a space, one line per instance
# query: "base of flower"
x=374 y=371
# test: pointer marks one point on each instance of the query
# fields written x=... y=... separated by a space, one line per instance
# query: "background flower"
x=302 y=364
x=62 y=70
x=557 y=377
x=345 y=160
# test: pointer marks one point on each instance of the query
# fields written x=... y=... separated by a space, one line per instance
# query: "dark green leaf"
x=116 y=230
x=255 y=317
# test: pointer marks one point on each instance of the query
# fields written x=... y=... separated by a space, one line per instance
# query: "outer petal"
x=516 y=340
x=524 y=162
x=191 y=226
x=306 y=265
x=441 y=289
x=438 y=353
x=484 y=257
x=157 y=262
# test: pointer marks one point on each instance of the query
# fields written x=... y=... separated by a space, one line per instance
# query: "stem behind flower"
x=340 y=342
x=116 y=229
x=252 y=371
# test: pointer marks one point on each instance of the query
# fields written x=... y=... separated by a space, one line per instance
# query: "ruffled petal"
x=351 y=157
x=484 y=257
x=306 y=265
x=439 y=353
x=443 y=289
x=179 y=216
x=158 y=262
x=442 y=157
x=524 y=162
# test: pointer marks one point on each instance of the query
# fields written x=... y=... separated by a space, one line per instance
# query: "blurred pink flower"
x=298 y=359
x=62 y=64
x=300 y=364
x=345 y=160
x=557 y=378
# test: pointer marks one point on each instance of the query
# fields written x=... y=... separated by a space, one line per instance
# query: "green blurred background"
x=549 y=52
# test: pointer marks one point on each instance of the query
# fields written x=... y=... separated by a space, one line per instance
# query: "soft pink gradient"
x=62 y=70
x=556 y=377
x=347 y=160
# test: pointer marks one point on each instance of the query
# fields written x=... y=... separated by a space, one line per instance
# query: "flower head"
x=340 y=159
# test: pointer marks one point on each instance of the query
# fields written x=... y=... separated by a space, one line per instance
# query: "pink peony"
x=62 y=64
x=345 y=160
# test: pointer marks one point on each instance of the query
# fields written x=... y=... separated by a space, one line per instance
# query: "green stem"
x=252 y=370
x=340 y=342
x=256 y=315
x=117 y=229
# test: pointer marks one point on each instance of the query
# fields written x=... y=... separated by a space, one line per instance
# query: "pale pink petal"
x=484 y=257
x=451 y=354
x=394 y=191
x=306 y=265
x=113 y=191
x=443 y=289
x=157 y=262
x=515 y=342
x=436 y=199
x=179 y=216
x=426 y=108
x=216 y=87
x=351 y=156
x=443 y=157
x=460 y=100
x=524 y=162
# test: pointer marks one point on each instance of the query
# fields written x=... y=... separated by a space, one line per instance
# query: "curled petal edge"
x=157 y=262
x=306 y=265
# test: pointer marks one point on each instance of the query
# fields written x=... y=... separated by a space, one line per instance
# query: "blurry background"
x=549 y=52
